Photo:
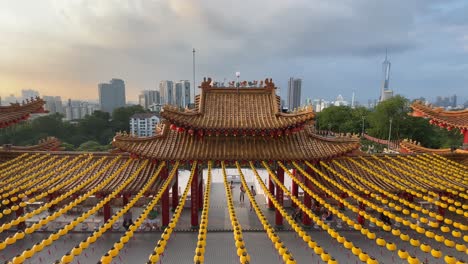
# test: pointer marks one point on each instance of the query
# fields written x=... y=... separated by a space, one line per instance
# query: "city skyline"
x=426 y=42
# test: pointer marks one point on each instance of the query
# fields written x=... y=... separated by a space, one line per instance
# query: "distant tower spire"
x=385 y=91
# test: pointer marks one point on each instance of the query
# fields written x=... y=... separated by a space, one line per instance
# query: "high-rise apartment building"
x=53 y=104
x=294 y=93
x=386 y=92
x=166 y=91
x=148 y=98
x=187 y=92
x=178 y=95
x=111 y=95
x=28 y=93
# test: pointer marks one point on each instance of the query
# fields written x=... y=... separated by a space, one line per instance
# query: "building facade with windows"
x=143 y=124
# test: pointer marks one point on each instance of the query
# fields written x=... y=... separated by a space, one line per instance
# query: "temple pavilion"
x=412 y=207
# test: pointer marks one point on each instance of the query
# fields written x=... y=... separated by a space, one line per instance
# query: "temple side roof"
x=438 y=116
x=16 y=112
x=47 y=144
x=173 y=145
x=415 y=147
x=236 y=111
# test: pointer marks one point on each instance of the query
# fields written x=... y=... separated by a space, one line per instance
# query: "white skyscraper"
x=294 y=93
x=148 y=98
x=166 y=91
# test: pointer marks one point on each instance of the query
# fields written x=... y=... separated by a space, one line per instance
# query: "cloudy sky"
x=336 y=46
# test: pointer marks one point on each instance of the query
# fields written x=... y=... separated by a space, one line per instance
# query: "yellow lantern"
x=436 y=253
x=363 y=256
x=402 y=254
x=391 y=246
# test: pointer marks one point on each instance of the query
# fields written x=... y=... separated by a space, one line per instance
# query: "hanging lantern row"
x=445 y=125
x=238 y=132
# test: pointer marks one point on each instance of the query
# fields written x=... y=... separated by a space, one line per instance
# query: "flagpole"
x=194 y=87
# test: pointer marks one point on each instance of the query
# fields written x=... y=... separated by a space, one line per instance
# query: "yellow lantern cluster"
x=32 y=166
x=199 y=256
x=64 y=196
x=244 y=257
x=161 y=245
x=334 y=234
x=70 y=226
x=429 y=179
x=413 y=242
x=433 y=224
x=282 y=249
x=297 y=228
x=32 y=187
x=77 y=250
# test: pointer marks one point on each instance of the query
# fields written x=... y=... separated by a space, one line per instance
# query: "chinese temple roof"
x=236 y=123
x=236 y=111
x=438 y=116
x=410 y=146
x=16 y=112
x=173 y=145
x=47 y=144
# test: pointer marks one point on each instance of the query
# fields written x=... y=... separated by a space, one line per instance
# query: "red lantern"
x=191 y=132
x=200 y=133
x=287 y=132
x=278 y=133
x=173 y=127
x=449 y=128
x=180 y=129
x=432 y=121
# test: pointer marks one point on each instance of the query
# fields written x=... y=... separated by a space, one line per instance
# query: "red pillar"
x=107 y=212
x=306 y=221
x=271 y=188
x=200 y=190
x=125 y=199
x=175 y=191
x=165 y=201
x=279 y=196
x=194 y=199
x=295 y=189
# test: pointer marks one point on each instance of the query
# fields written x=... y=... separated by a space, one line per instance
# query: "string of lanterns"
x=241 y=251
x=199 y=256
x=35 y=179
x=44 y=221
x=428 y=179
x=442 y=178
x=28 y=253
x=18 y=158
x=114 y=251
x=348 y=245
x=405 y=188
x=166 y=235
x=78 y=249
x=457 y=167
x=446 y=168
x=33 y=188
x=32 y=166
x=297 y=228
x=283 y=251
x=57 y=200
x=414 y=242
x=425 y=220
x=6 y=172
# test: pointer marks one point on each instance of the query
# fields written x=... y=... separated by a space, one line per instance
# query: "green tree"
x=92 y=146
x=121 y=117
x=342 y=119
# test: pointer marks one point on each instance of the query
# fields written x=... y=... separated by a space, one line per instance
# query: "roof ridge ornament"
x=269 y=84
x=206 y=84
